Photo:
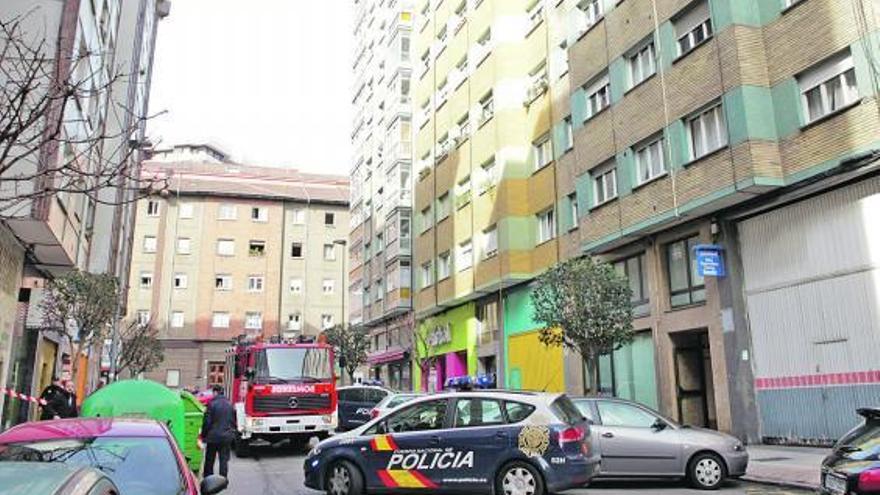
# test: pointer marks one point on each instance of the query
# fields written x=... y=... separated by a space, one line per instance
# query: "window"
x=463 y=192
x=296 y=250
x=546 y=226
x=464 y=259
x=424 y=416
x=220 y=319
x=298 y=216
x=633 y=268
x=598 y=94
x=329 y=219
x=260 y=214
x=490 y=242
x=225 y=247
x=477 y=412
x=489 y=177
x=560 y=59
x=380 y=289
x=628 y=372
x=257 y=248
x=427 y=274
x=686 y=286
x=172 y=378
x=641 y=64
x=693 y=27
x=789 y=3
x=180 y=281
x=223 y=282
x=255 y=283
x=296 y=285
x=621 y=414
x=444 y=266
x=707 y=132
x=146 y=280
x=143 y=317
x=177 y=319
x=253 y=320
x=484 y=46
x=604 y=183
x=575 y=214
x=828 y=87
x=184 y=245
x=588 y=14
x=464 y=128
x=567 y=134
x=326 y=321
x=330 y=252
x=443 y=206
x=328 y=286
x=425 y=219
x=536 y=15
x=542 y=150
x=149 y=244
x=186 y=210
x=650 y=160
x=487 y=108
x=380 y=242
x=227 y=212
x=517 y=411
x=152 y=208
x=294 y=321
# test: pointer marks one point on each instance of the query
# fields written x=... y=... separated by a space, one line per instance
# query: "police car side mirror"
x=213 y=484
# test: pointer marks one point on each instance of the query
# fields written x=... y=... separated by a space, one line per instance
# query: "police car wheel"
x=519 y=478
x=344 y=479
x=706 y=471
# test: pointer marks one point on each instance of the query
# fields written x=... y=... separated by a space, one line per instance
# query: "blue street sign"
x=710 y=263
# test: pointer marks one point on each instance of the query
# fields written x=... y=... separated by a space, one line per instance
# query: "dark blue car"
x=512 y=443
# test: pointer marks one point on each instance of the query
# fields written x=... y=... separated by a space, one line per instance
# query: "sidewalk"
x=786 y=466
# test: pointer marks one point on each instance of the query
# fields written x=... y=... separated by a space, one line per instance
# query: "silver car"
x=636 y=441
x=391 y=401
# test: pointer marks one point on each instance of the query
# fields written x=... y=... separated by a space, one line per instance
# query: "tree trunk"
x=591 y=372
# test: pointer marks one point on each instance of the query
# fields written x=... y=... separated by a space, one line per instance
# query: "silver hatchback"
x=638 y=442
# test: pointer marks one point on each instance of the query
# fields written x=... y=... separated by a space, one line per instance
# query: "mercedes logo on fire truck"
x=292 y=402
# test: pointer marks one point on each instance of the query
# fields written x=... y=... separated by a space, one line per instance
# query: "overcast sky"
x=266 y=80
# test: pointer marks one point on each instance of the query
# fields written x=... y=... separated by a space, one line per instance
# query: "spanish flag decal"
x=402 y=478
x=383 y=443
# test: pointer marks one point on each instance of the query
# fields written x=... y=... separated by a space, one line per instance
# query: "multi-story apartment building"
x=235 y=249
x=636 y=131
x=87 y=45
x=490 y=84
x=381 y=202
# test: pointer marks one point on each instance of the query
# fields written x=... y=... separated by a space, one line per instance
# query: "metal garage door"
x=812 y=282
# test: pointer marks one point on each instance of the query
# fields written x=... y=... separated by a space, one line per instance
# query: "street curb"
x=782 y=483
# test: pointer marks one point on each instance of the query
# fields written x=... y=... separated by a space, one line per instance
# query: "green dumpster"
x=180 y=411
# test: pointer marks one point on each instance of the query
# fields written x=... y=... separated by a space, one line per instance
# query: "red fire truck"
x=281 y=390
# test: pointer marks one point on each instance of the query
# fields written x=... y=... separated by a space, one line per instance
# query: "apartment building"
x=381 y=186
x=87 y=42
x=491 y=83
x=748 y=129
x=236 y=249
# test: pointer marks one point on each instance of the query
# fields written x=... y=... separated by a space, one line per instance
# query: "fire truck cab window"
x=286 y=364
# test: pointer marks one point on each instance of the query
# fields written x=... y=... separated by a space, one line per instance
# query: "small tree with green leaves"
x=79 y=307
x=350 y=343
x=583 y=304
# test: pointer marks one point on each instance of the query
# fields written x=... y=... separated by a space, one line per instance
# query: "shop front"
x=448 y=348
x=392 y=368
x=530 y=365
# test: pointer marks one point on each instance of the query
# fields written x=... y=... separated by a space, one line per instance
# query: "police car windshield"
x=279 y=365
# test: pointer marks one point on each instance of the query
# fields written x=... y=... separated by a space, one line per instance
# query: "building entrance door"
x=695 y=391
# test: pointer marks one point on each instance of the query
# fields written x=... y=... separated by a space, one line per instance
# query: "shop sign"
x=441 y=335
x=710 y=263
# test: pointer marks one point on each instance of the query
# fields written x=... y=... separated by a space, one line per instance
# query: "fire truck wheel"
x=242 y=448
x=343 y=478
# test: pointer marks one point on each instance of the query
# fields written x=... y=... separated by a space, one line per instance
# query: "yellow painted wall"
x=534 y=366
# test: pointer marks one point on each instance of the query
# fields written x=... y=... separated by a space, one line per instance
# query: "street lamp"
x=343 y=243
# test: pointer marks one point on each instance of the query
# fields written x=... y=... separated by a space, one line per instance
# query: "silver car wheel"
x=518 y=481
x=340 y=482
x=708 y=472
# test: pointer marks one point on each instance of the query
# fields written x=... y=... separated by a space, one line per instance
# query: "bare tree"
x=141 y=349
x=424 y=345
x=54 y=136
x=350 y=343
x=79 y=307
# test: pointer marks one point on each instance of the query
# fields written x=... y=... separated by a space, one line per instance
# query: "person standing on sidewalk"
x=60 y=401
x=218 y=432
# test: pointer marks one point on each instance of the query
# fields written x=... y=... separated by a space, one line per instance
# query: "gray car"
x=636 y=441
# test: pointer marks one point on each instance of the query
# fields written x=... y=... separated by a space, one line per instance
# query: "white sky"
x=269 y=81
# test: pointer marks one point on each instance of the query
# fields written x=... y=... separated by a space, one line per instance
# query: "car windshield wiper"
x=848 y=449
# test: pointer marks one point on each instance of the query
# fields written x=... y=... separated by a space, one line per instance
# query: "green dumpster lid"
x=133 y=398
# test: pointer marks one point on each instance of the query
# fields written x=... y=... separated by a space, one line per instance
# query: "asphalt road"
x=278 y=471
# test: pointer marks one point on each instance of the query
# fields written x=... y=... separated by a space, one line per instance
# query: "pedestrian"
x=70 y=408
x=218 y=432
x=57 y=400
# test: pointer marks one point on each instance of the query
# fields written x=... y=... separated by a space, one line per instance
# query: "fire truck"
x=281 y=390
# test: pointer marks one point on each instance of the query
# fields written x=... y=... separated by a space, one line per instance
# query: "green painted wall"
x=518 y=311
x=749 y=114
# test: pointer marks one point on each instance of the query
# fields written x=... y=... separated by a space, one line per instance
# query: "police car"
x=506 y=442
